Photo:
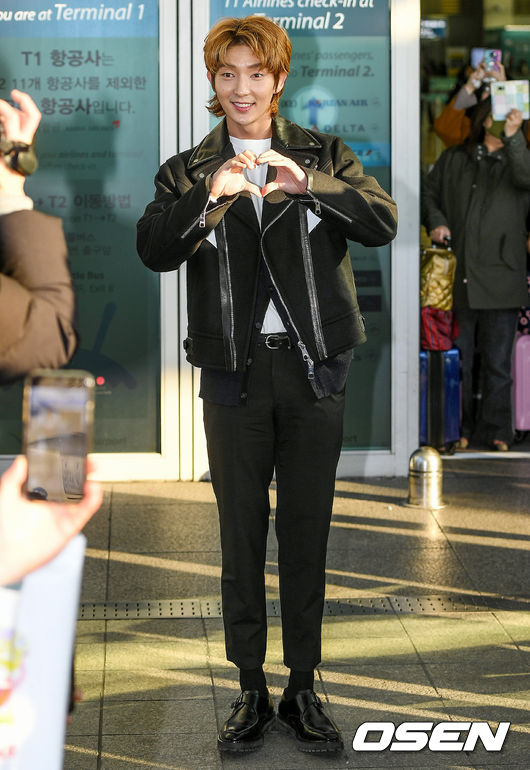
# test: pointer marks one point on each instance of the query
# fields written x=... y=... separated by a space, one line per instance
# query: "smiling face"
x=244 y=88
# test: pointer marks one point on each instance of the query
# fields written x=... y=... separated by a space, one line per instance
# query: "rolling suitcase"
x=521 y=383
x=523 y=323
x=440 y=399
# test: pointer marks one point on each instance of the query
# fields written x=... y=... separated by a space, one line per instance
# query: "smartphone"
x=477 y=57
x=57 y=417
x=492 y=59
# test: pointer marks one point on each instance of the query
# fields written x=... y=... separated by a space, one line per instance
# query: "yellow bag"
x=437 y=276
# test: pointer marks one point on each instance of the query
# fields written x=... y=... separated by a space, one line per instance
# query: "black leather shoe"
x=303 y=717
x=251 y=717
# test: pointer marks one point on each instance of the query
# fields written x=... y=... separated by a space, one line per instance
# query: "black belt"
x=274 y=341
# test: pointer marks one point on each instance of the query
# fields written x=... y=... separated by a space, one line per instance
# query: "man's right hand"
x=440 y=234
x=230 y=179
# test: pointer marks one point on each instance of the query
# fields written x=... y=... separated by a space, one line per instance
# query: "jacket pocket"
x=344 y=331
x=204 y=349
x=508 y=251
x=195 y=333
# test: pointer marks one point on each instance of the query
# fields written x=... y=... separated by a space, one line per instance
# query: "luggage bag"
x=521 y=383
x=440 y=399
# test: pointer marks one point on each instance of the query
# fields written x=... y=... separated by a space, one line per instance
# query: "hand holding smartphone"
x=57 y=415
x=486 y=61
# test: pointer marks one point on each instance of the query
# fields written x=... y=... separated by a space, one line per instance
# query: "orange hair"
x=269 y=42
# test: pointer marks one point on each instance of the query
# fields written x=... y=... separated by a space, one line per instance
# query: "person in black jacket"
x=478 y=194
x=260 y=211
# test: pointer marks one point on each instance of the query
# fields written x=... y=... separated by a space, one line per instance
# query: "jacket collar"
x=479 y=151
x=287 y=137
x=292 y=136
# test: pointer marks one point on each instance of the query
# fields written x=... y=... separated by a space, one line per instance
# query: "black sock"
x=299 y=680
x=253 y=679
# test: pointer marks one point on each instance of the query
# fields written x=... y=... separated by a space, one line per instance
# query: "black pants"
x=284 y=428
x=492 y=334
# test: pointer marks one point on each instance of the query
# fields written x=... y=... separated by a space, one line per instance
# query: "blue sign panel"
x=93 y=73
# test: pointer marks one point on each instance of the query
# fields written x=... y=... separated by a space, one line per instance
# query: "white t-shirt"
x=272 y=323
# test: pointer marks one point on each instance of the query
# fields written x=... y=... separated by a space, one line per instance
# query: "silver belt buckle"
x=271 y=338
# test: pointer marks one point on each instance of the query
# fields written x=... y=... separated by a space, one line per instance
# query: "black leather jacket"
x=310 y=270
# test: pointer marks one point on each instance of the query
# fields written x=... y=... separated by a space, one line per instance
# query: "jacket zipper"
x=201 y=219
x=228 y=311
x=305 y=355
x=311 y=286
x=319 y=204
x=227 y=306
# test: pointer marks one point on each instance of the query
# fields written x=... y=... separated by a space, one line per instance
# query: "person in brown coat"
x=36 y=329
x=37 y=310
x=37 y=304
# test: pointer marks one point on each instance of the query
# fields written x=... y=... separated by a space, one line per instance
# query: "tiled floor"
x=156 y=690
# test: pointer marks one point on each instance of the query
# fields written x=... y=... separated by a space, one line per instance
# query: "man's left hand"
x=290 y=177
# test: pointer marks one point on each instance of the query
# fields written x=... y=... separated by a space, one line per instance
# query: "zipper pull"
x=317 y=203
x=308 y=361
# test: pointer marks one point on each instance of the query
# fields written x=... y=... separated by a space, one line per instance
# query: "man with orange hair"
x=261 y=210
